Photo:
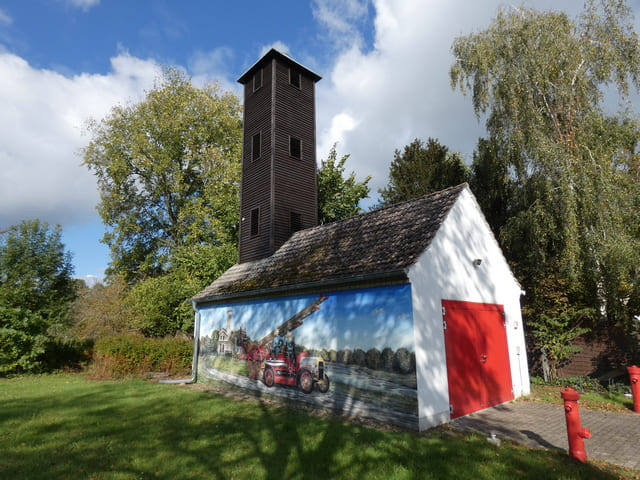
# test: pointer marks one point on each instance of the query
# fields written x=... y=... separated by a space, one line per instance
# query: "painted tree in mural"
x=420 y=169
x=338 y=197
x=567 y=166
x=168 y=169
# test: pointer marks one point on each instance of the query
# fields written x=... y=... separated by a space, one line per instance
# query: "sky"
x=382 y=318
x=384 y=65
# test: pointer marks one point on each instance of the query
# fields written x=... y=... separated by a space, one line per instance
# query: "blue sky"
x=384 y=65
x=382 y=319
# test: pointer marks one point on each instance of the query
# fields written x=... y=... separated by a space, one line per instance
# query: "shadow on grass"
x=66 y=427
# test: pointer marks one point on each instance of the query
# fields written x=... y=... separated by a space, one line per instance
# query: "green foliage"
x=35 y=269
x=124 y=355
x=67 y=354
x=22 y=340
x=556 y=334
x=168 y=169
x=555 y=322
x=581 y=383
x=568 y=170
x=204 y=263
x=159 y=305
x=101 y=311
x=491 y=182
x=593 y=396
x=338 y=197
x=36 y=290
x=422 y=169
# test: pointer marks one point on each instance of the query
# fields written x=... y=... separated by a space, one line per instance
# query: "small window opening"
x=294 y=77
x=255 y=221
x=257 y=80
x=295 y=147
x=255 y=146
x=295 y=221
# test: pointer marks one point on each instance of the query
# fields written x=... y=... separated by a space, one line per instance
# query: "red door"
x=477 y=356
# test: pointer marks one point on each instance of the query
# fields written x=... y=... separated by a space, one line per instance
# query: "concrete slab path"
x=615 y=437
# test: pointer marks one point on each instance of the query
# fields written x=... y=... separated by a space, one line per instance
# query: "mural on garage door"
x=478 y=369
x=349 y=350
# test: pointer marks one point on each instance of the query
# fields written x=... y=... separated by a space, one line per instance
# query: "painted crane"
x=274 y=355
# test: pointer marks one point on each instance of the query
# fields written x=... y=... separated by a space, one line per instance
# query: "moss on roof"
x=373 y=243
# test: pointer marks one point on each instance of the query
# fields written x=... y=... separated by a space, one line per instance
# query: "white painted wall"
x=446 y=271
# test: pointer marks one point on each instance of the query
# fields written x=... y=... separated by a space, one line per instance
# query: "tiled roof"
x=373 y=243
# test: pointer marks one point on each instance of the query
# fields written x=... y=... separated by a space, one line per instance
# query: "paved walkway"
x=615 y=437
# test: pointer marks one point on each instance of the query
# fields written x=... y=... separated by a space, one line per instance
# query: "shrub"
x=101 y=311
x=158 y=305
x=22 y=341
x=124 y=355
x=67 y=354
x=581 y=383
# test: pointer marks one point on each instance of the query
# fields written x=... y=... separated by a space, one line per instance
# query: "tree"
x=159 y=306
x=101 y=311
x=541 y=77
x=422 y=169
x=492 y=184
x=338 y=197
x=36 y=290
x=555 y=323
x=168 y=169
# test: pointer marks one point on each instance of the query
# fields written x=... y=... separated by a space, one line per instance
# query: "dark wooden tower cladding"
x=278 y=191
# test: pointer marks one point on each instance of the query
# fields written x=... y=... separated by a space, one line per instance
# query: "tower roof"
x=273 y=53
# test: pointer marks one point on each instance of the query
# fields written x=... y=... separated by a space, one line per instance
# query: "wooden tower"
x=278 y=192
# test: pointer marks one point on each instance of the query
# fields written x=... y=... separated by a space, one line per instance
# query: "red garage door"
x=477 y=356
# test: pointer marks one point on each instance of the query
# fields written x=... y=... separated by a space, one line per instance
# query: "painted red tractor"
x=275 y=356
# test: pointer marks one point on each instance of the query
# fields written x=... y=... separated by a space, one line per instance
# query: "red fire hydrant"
x=575 y=431
x=634 y=375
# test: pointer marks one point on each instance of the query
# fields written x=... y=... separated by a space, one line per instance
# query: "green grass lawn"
x=68 y=427
x=603 y=401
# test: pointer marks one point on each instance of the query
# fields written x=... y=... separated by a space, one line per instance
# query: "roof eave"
x=394 y=276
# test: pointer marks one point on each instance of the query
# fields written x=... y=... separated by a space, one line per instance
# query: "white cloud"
x=341 y=124
x=205 y=65
x=5 y=19
x=341 y=20
x=280 y=46
x=83 y=4
x=41 y=128
x=92 y=280
x=378 y=100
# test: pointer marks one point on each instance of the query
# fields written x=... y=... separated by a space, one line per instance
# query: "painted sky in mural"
x=369 y=318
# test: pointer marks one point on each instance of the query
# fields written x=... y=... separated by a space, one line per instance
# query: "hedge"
x=124 y=355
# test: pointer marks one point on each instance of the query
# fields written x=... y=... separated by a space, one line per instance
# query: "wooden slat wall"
x=255 y=189
x=294 y=180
